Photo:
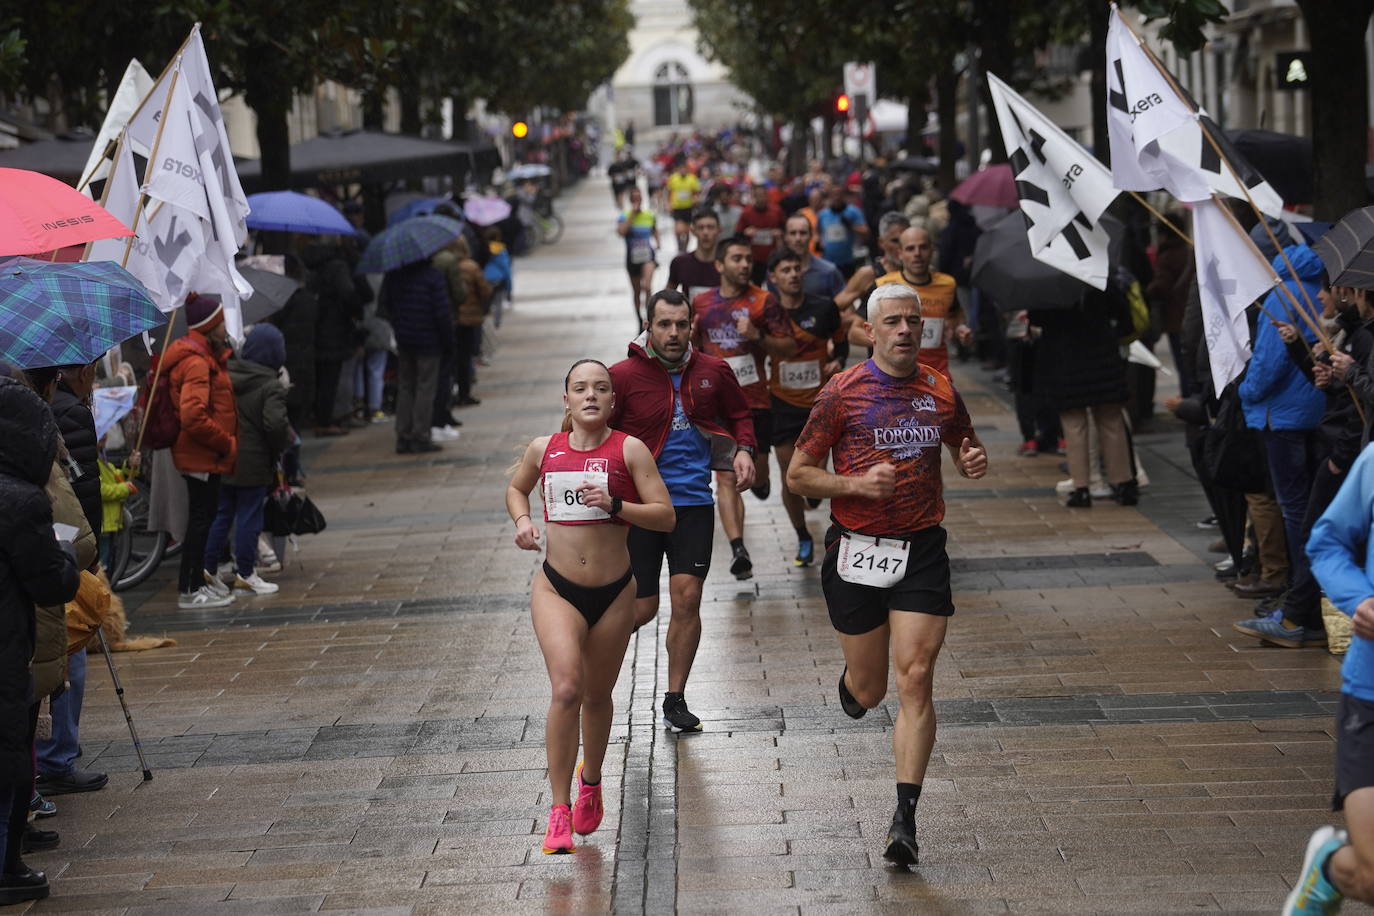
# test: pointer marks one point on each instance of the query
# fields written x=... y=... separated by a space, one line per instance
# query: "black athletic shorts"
x=1354 y=748
x=687 y=546
x=635 y=270
x=858 y=609
x=788 y=421
x=763 y=431
x=683 y=215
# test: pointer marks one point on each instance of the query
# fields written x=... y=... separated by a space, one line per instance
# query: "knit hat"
x=265 y=345
x=203 y=313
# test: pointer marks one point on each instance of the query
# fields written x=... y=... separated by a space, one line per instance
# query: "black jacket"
x=264 y=430
x=77 y=425
x=1078 y=360
x=416 y=299
x=1340 y=427
x=34 y=570
x=340 y=297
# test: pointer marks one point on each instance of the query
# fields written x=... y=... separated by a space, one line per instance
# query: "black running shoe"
x=741 y=567
x=852 y=707
x=762 y=490
x=677 y=717
x=901 y=841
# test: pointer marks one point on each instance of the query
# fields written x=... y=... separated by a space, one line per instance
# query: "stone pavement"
x=369 y=740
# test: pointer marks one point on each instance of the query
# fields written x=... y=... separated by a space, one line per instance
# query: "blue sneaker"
x=1313 y=893
x=1270 y=628
x=806 y=553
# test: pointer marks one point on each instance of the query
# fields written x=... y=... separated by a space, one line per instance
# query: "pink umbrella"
x=484 y=211
x=992 y=186
x=40 y=214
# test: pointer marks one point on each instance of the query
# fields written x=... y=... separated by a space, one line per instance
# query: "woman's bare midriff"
x=589 y=555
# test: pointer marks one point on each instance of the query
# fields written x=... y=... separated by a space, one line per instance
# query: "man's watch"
x=616 y=503
x=747 y=449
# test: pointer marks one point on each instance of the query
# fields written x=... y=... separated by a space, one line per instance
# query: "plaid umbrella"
x=1347 y=252
x=68 y=314
x=408 y=242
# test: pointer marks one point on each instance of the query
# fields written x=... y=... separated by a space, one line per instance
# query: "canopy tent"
x=364 y=156
x=359 y=156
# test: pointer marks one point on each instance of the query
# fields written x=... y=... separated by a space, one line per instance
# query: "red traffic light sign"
x=842 y=104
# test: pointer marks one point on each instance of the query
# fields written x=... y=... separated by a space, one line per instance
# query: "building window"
x=672 y=96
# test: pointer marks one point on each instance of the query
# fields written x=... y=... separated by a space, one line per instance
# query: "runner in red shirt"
x=886 y=574
x=742 y=323
x=762 y=225
x=596 y=483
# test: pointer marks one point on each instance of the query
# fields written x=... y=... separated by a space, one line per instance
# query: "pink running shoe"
x=558 y=838
x=587 y=810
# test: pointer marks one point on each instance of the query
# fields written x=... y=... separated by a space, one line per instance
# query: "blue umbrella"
x=55 y=314
x=405 y=243
x=290 y=211
x=423 y=206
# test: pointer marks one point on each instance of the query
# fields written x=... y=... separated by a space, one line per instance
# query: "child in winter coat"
x=115 y=488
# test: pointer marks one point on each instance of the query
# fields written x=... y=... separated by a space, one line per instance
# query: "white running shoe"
x=213 y=582
x=256 y=584
x=1098 y=487
x=225 y=573
x=444 y=433
x=202 y=599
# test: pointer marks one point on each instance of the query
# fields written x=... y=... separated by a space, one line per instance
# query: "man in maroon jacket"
x=689 y=409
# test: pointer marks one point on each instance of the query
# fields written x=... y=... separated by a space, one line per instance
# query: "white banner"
x=133 y=88
x=121 y=200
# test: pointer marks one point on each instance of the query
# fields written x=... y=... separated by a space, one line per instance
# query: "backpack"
x=162 y=419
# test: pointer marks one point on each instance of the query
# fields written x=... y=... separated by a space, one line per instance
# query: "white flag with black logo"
x=1062 y=189
x=133 y=88
x=121 y=199
x=1159 y=139
x=1231 y=274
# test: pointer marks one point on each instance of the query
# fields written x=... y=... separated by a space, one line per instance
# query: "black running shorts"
x=788 y=421
x=683 y=215
x=687 y=547
x=925 y=589
x=1354 y=748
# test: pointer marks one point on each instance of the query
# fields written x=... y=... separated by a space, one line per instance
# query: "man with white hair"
x=886 y=573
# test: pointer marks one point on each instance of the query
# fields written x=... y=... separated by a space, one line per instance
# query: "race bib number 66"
x=563 y=500
x=865 y=560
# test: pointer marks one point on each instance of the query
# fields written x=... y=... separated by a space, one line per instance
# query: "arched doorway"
x=672 y=95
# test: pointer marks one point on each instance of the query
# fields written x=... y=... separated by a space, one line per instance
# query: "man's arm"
x=807 y=476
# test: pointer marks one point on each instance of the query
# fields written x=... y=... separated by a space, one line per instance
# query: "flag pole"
x=1216 y=148
x=1160 y=216
x=152 y=390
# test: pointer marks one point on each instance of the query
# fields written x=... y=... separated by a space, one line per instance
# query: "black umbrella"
x=1346 y=250
x=270 y=292
x=925 y=165
x=1004 y=269
x=1284 y=160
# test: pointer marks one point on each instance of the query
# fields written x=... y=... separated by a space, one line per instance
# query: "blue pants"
x=241 y=508
x=368 y=378
x=57 y=755
x=1292 y=460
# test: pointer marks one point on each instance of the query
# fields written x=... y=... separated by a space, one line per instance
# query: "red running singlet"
x=564 y=468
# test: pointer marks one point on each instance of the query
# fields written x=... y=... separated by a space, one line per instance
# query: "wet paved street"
x=370 y=739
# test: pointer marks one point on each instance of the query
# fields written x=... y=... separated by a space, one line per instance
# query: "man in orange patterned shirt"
x=886 y=574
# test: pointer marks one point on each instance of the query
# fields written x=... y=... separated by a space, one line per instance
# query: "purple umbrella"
x=484 y=211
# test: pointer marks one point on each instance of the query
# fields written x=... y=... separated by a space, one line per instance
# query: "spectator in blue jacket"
x=416 y=299
x=1340 y=863
x=498 y=272
x=1281 y=402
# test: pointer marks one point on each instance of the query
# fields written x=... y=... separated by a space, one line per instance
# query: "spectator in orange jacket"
x=207 y=445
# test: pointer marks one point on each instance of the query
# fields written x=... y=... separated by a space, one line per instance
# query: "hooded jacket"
x=1340 y=428
x=711 y=398
x=34 y=568
x=264 y=430
x=208 y=441
x=468 y=289
x=416 y=300
x=50 y=642
x=1275 y=393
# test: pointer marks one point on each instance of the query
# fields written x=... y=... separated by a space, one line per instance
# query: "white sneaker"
x=213 y=583
x=256 y=584
x=444 y=433
x=1098 y=487
x=225 y=574
x=264 y=566
x=203 y=598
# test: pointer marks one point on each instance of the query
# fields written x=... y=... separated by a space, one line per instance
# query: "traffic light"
x=519 y=130
x=842 y=104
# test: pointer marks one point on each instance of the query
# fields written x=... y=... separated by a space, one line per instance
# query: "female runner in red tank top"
x=596 y=483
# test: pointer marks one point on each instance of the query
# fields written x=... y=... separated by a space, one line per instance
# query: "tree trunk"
x=916 y=103
x=1340 y=103
x=374 y=109
x=411 y=121
x=995 y=45
x=1098 y=14
x=796 y=147
x=827 y=138
x=461 y=127
x=272 y=103
x=946 y=110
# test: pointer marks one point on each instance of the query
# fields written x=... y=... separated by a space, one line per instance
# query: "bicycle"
x=138 y=551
